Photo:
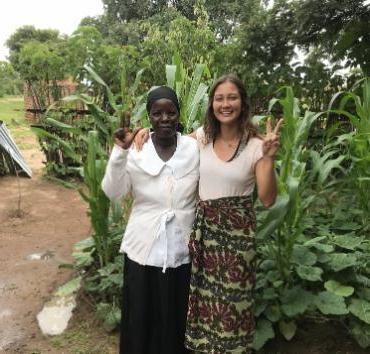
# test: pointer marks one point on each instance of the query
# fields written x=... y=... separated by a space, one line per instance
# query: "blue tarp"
x=9 y=150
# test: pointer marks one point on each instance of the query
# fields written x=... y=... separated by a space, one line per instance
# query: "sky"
x=63 y=15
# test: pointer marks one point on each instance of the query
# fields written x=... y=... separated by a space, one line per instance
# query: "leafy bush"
x=314 y=250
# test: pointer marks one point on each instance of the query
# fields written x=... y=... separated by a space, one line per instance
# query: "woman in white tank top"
x=233 y=158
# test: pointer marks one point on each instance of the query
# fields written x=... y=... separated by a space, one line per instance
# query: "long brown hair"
x=212 y=125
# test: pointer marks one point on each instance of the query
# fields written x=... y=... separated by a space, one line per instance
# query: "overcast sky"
x=63 y=15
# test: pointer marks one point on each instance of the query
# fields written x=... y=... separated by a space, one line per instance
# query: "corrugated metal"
x=8 y=144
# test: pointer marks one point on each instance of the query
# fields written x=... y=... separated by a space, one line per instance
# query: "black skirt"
x=154 y=309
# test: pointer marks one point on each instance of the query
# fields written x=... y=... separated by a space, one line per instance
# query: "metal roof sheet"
x=8 y=144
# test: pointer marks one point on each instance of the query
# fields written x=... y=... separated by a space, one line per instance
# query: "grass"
x=12 y=113
x=81 y=341
x=11 y=110
x=86 y=336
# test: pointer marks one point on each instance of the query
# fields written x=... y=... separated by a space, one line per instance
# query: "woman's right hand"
x=141 y=138
x=124 y=136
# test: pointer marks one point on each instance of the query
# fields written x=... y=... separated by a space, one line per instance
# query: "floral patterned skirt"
x=220 y=316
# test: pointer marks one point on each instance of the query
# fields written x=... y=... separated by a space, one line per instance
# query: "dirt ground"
x=52 y=219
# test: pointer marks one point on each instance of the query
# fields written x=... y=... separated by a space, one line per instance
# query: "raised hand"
x=271 y=139
x=124 y=136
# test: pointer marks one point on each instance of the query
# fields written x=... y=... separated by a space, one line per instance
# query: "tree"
x=82 y=48
x=192 y=40
x=41 y=66
x=123 y=11
x=26 y=34
x=10 y=83
x=341 y=27
x=224 y=15
x=316 y=80
x=261 y=50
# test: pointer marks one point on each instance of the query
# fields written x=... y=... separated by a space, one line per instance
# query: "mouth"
x=165 y=126
x=226 y=112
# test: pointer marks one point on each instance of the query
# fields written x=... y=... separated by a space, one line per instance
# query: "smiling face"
x=164 y=118
x=227 y=103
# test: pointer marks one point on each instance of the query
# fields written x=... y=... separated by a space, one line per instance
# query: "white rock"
x=54 y=317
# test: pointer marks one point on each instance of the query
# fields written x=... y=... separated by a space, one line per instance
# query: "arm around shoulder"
x=193 y=135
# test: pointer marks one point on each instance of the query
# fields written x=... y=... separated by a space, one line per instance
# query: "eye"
x=155 y=114
x=233 y=97
x=218 y=98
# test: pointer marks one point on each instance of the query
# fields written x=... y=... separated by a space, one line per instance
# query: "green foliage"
x=341 y=27
x=264 y=332
x=192 y=40
x=110 y=315
x=330 y=304
x=314 y=251
x=361 y=309
x=338 y=289
x=69 y=288
x=10 y=83
x=26 y=34
x=287 y=329
x=190 y=90
x=41 y=66
x=313 y=244
x=357 y=142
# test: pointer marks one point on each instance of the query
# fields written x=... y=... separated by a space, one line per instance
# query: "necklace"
x=230 y=144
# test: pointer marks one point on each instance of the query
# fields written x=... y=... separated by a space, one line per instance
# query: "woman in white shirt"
x=162 y=179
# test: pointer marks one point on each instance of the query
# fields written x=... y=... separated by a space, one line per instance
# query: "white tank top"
x=219 y=178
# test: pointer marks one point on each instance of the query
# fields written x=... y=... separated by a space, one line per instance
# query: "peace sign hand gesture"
x=124 y=136
x=271 y=139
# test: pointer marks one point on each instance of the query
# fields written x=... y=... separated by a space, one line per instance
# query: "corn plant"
x=283 y=219
x=191 y=91
x=357 y=143
x=107 y=122
x=289 y=267
x=93 y=173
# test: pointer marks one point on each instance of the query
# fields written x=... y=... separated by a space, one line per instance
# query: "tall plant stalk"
x=356 y=107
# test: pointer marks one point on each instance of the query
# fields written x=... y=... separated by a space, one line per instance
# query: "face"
x=164 y=117
x=227 y=103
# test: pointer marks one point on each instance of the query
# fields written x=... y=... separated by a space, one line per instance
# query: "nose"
x=225 y=102
x=165 y=117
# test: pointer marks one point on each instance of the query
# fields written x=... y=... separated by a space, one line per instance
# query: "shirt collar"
x=184 y=159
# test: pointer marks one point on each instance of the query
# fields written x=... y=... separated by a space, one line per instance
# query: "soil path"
x=52 y=219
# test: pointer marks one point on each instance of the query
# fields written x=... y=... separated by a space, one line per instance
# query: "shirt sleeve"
x=116 y=182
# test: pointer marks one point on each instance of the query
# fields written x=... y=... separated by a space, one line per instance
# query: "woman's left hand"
x=271 y=139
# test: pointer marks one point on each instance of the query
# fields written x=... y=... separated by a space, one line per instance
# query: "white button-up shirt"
x=164 y=194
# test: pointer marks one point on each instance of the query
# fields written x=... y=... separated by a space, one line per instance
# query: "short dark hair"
x=212 y=125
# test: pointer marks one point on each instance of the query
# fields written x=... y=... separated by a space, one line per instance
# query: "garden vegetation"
x=314 y=243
